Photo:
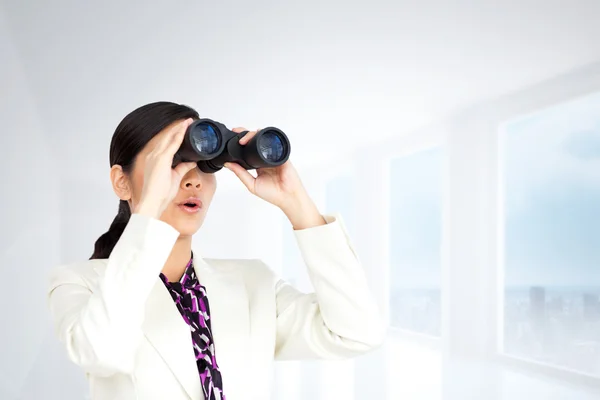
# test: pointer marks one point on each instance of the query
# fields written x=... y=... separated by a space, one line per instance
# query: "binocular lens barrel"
x=271 y=146
x=211 y=144
x=205 y=138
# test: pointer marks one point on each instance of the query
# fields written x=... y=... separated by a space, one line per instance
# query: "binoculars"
x=211 y=144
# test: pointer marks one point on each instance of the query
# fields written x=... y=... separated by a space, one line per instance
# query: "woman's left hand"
x=280 y=186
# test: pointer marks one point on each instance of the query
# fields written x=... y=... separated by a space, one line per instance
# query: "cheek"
x=210 y=186
x=137 y=183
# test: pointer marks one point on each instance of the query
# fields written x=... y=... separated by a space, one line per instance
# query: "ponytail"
x=132 y=135
x=105 y=243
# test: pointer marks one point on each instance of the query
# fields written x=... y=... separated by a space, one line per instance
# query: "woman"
x=137 y=318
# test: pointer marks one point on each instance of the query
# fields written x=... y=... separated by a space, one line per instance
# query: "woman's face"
x=194 y=184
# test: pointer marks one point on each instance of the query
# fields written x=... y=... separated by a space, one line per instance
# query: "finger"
x=244 y=176
x=176 y=137
x=247 y=137
x=184 y=168
x=172 y=131
x=167 y=136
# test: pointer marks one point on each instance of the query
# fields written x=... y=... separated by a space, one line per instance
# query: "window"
x=551 y=202
x=415 y=241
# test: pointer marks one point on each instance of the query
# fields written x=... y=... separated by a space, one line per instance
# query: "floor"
x=419 y=373
x=416 y=372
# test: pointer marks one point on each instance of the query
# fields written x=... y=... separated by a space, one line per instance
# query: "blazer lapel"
x=230 y=321
x=166 y=330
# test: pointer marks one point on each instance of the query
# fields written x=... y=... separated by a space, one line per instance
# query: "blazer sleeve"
x=340 y=319
x=100 y=323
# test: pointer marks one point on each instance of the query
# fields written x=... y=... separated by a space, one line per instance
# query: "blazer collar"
x=168 y=333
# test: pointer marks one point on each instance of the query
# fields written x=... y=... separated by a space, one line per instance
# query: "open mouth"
x=191 y=205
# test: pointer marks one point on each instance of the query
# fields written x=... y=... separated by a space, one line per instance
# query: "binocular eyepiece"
x=211 y=144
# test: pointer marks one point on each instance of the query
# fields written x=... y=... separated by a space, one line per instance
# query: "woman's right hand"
x=161 y=181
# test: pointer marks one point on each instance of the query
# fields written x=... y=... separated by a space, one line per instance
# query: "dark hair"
x=130 y=137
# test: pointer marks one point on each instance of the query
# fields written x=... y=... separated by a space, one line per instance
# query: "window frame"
x=512 y=361
x=501 y=111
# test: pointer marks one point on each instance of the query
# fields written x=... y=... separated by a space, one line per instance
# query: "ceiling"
x=333 y=75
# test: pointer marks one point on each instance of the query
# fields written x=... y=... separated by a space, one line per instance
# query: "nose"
x=192 y=180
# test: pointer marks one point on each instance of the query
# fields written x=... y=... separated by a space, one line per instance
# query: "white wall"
x=30 y=237
x=315 y=68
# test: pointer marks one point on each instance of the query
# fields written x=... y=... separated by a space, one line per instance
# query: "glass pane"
x=415 y=242
x=551 y=177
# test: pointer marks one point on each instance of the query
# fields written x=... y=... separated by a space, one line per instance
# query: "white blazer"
x=119 y=323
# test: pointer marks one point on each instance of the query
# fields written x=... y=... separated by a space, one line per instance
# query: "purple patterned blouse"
x=191 y=301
